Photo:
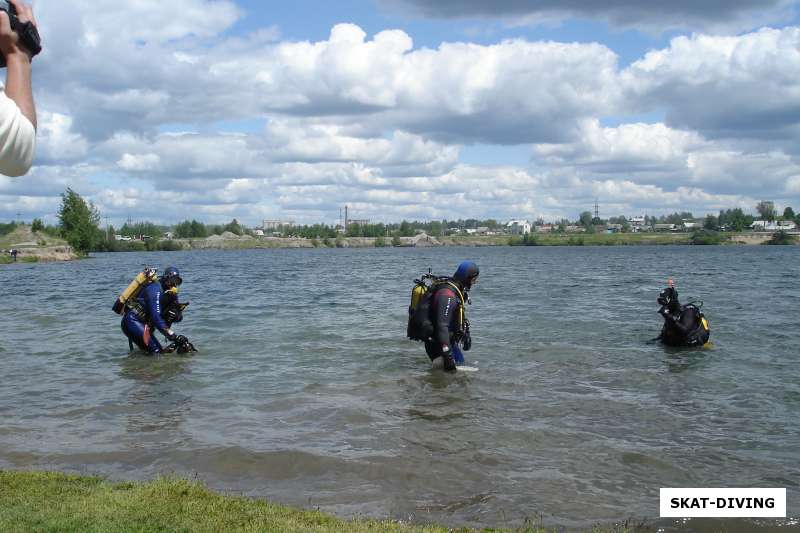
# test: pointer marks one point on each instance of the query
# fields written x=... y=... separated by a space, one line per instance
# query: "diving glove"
x=466 y=342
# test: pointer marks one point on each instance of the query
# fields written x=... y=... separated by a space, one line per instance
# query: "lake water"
x=305 y=390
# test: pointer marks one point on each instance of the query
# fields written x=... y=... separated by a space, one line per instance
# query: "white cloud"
x=378 y=124
x=724 y=87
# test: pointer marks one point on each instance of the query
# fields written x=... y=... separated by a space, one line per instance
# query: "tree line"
x=79 y=224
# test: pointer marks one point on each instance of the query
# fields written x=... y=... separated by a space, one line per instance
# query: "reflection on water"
x=156 y=401
x=306 y=391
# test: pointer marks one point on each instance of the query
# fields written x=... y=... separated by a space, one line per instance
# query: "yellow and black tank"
x=145 y=277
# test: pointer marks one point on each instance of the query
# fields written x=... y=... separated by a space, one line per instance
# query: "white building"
x=275 y=225
x=765 y=225
x=519 y=227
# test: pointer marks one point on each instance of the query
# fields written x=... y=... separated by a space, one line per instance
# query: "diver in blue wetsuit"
x=450 y=327
x=154 y=309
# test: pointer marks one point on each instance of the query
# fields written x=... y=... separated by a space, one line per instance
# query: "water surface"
x=306 y=392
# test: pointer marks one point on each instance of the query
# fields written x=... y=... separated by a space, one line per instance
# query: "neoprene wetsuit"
x=145 y=315
x=445 y=318
x=683 y=328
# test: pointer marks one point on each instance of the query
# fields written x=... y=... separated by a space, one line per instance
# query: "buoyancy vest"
x=420 y=322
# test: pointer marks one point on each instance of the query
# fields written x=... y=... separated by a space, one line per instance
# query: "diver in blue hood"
x=450 y=326
x=155 y=308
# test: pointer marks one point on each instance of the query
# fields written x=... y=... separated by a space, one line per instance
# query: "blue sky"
x=406 y=109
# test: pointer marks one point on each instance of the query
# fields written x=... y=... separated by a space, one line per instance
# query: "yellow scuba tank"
x=417 y=293
x=145 y=277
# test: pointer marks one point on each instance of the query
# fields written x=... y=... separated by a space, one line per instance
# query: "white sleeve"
x=17 y=138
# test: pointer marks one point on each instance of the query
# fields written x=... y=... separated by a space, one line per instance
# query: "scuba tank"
x=420 y=326
x=417 y=294
x=145 y=277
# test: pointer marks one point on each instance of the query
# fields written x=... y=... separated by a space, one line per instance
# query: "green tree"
x=586 y=219
x=788 y=214
x=711 y=223
x=396 y=240
x=190 y=230
x=38 y=225
x=234 y=227
x=79 y=222
x=767 y=210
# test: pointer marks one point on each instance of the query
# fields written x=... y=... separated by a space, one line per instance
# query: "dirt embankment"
x=229 y=241
x=34 y=246
x=751 y=238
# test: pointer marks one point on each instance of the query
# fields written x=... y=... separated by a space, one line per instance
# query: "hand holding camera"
x=18 y=32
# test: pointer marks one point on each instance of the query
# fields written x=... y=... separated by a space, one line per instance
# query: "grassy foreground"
x=47 y=501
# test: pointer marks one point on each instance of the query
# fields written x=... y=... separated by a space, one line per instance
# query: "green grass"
x=29 y=259
x=47 y=501
x=5 y=258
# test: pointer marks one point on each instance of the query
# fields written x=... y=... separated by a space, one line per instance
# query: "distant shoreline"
x=30 y=253
x=426 y=241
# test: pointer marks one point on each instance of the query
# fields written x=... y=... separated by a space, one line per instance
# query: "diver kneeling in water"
x=684 y=325
x=156 y=307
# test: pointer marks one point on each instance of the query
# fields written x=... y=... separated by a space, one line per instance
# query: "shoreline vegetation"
x=53 y=501
x=36 y=246
x=78 y=233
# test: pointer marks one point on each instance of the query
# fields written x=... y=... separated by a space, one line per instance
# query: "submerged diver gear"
x=143 y=278
x=180 y=345
x=466 y=274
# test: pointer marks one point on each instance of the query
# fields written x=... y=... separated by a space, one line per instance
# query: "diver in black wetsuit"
x=684 y=325
x=450 y=327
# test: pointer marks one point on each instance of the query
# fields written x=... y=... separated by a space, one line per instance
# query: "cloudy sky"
x=215 y=109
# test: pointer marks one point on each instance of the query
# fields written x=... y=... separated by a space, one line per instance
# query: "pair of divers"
x=437 y=317
x=684 y=325
x=149 y=304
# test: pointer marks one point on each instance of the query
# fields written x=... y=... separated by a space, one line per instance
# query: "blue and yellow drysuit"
x=144 y=316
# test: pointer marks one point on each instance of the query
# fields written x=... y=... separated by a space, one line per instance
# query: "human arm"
x=17 y=110
x=152 y=301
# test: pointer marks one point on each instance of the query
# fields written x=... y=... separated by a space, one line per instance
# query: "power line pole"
x=596 y=209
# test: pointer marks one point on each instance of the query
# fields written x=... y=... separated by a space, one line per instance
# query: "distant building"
x=258 y=233
x=665 y=227
x=545 y=228
x=168 y=235
x=691 y=225
x=765 y=225
x=275 y=225
x=360 y=222
x=614 y=228
x=518 y=227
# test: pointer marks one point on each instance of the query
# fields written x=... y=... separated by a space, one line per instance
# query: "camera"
x=28 y=34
